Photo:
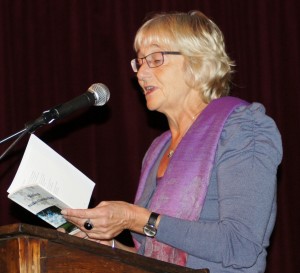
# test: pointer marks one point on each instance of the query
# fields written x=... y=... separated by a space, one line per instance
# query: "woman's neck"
x=178 y=127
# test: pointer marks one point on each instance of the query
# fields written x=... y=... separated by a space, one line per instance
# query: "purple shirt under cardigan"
x=239 y=211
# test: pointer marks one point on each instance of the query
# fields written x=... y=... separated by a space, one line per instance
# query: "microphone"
x=97 y=95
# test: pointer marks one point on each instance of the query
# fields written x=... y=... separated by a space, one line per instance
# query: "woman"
x=207 y=192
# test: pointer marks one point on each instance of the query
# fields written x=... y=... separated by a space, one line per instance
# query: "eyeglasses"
x=154 y=59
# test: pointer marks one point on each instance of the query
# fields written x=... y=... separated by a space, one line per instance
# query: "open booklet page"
x=45 y=183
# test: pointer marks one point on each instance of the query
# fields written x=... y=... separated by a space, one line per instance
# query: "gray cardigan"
x=239 y=212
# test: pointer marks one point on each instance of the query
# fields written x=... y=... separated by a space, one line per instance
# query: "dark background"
x=52 y=50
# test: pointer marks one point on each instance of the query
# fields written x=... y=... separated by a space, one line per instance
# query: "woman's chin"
x=151 y=105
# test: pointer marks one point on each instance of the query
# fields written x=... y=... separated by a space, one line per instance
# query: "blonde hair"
x=208 y=68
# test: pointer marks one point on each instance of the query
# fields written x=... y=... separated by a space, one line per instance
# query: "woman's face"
x=164 y=86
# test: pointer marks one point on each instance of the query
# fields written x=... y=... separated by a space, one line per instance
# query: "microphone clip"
x=47 y=117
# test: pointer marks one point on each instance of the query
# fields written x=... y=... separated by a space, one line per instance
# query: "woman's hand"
x=108 y=219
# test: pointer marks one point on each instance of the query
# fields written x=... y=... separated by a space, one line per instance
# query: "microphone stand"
x=12 y=136
x=46 y=118
x=20 y=135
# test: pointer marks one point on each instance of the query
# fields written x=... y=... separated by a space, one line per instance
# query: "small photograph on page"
x=52 y=216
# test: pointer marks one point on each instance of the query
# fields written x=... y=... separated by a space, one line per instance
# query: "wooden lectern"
x=31 y=249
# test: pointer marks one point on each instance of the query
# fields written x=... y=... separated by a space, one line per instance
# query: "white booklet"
x=46 y=183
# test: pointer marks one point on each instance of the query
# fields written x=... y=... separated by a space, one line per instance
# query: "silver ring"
x=88 y=225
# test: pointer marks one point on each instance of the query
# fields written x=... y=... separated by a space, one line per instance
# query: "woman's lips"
x=149 y=90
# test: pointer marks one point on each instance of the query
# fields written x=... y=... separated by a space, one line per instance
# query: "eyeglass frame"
x=134 y=61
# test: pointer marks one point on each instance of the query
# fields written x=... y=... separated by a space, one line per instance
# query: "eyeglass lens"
x=154 y=59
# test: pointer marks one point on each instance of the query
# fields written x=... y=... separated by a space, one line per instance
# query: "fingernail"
x=63 y=212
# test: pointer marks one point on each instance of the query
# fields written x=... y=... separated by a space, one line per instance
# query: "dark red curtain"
x=53 y=50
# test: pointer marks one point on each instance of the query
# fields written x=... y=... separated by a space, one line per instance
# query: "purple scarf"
x=182 y=190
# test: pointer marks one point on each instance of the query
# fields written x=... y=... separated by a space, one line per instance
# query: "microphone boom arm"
x=46 y=118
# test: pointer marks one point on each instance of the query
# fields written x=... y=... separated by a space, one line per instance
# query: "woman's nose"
x=144 y=71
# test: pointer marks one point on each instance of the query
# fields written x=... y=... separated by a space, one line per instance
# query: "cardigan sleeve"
x=249 y=152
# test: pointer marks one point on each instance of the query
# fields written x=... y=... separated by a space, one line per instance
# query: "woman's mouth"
x=149 y=89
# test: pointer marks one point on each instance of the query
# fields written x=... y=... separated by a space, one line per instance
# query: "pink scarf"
x=182 y=190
